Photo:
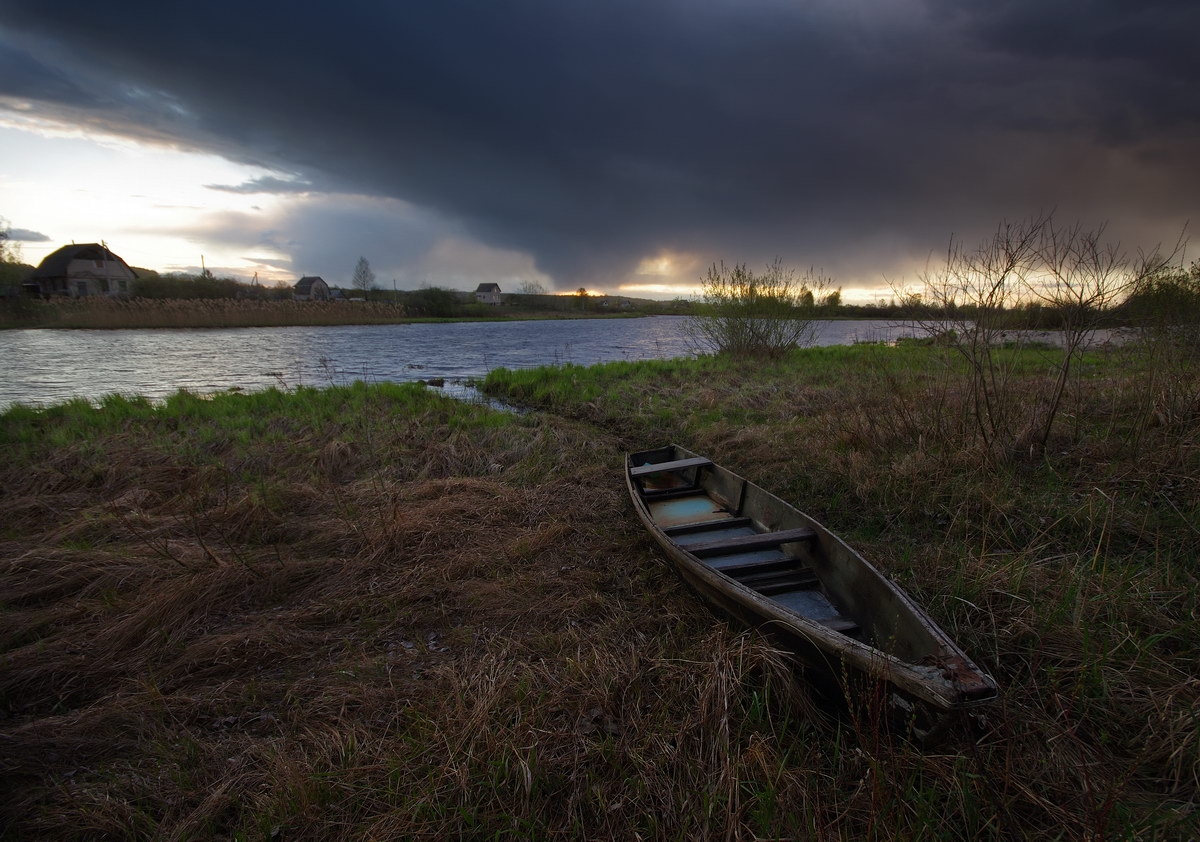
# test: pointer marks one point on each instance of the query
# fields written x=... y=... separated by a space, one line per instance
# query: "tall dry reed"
x=116 y=313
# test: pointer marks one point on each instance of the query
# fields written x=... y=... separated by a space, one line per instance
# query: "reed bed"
x=369 y=612
x=130 y=313
x=116 y=313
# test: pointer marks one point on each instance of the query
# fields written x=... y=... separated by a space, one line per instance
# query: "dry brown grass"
x=400 y=618
x=116 y=313
x=425 y=631
x=1069 y=571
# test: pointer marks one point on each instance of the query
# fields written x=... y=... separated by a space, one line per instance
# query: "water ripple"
x=49 y=366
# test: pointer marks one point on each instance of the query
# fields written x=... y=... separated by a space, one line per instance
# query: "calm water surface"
x=50 y=366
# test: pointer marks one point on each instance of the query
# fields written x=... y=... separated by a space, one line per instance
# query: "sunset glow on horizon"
x=148 y=203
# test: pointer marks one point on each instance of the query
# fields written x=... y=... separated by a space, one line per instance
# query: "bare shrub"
x=978 y=302
x=763 y=315
x=970 y=294
x=1083 y=278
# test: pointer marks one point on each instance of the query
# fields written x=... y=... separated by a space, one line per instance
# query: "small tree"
x=762 y=315
x=12 y=270
x=364 y=278
x=532 y=288
x=832 y=299
x=10 y=249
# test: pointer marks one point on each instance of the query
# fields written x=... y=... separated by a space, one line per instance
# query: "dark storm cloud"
x=594 y=134
x=25 y=76
x=22 y=235
x=1159 y=33
x=1133 y=60
x=326 y=236
x=265 y=184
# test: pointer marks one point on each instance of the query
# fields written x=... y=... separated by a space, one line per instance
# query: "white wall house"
x=488 y=294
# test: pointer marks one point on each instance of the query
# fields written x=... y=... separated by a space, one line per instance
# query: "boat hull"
x=755 y=558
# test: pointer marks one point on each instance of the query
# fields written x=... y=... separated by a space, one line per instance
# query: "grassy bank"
x=1069 y=570
x=116 y=314
x=369 y=612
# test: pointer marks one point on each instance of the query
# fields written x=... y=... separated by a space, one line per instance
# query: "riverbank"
x=138 y=313
x=373 y=612
x=45 y=367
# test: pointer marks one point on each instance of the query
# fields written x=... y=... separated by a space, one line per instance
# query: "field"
x=371 y=612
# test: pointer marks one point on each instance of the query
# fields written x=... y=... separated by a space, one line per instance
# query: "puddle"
x=465 y=391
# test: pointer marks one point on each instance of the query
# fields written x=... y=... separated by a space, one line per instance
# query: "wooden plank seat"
x=782 y=581
x=671 y=493
x=742 y=568
x=663 y=467
x=763 y=567
x=749 y=543
x=708 y=526
x=841 y=624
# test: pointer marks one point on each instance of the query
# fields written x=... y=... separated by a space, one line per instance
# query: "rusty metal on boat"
x=758 y=559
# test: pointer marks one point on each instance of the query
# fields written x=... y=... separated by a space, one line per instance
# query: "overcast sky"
x=617 y=145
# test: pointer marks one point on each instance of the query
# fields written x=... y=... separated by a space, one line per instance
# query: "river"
x=49 y=366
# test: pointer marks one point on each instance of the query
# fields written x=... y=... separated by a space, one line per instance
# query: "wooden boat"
x=761 y=561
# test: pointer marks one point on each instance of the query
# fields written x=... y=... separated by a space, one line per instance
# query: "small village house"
x=311 y=288
x=488 y=294
x=80 y=271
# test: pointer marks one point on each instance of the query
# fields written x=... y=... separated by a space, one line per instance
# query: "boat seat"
x=707 y=526
x=746 y=543
x=672 y=493
x=841 y=624
x=740 y=568
x=782 y=581
x=676 y=465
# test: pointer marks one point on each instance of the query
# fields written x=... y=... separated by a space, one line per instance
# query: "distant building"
x=311 y=288
x=82 y=270
x=488 y=294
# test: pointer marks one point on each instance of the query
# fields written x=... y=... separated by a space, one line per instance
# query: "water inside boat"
x=771 y=562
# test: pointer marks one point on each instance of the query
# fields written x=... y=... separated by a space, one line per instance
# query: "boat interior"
x=735 y=528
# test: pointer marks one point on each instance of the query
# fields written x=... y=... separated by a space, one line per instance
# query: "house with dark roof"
x=488 y=294
x=311 y=288
x=80 y=271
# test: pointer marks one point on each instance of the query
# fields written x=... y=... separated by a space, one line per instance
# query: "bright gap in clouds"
x=140 y=199
x=652 y=290
x=667 y=274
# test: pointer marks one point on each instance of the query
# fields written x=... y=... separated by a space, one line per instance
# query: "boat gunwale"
x=927 y=682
